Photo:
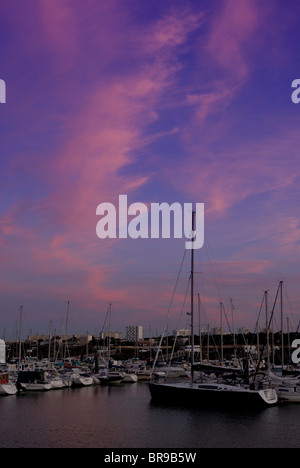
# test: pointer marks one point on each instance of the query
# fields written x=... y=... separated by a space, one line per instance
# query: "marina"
x=243 y=384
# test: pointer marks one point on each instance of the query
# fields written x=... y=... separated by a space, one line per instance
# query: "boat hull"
x=8 y=389
x=130 y=378
x=37 y=387
x=82 y=381
x=206 y=395
x=291 y=395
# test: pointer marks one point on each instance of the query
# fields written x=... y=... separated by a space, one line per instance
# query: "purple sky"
x=186 y=101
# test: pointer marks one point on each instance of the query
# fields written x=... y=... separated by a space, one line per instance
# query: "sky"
x=184 y=101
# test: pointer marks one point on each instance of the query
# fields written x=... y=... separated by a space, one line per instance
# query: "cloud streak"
x=162 y=107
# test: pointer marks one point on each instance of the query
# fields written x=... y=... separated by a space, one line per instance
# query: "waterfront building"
x=2 y=352
x=134 y=333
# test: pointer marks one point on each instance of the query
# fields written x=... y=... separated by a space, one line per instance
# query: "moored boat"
x=287 y=393
x=215 y=394
x=110 y=377
x=7 y=387
x=33 y=381
x=130 y=378
x=81 y=380
x=236 y=391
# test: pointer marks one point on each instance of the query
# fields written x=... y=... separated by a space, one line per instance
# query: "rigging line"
x=287 y=298
x=106 y=317
x=268 y=325
x=168 y=314
x=175 y=341
x=274 y=305
x=228 y=324
x=258 y=318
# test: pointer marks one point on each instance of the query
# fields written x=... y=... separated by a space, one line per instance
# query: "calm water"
x=124 y=417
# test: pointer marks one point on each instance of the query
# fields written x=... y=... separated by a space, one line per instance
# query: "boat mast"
x=222 y=339
x=66 y=329
x=49 y=345
x=200 y=334
x=109 y=326
x=208 y=334
x=282 y=335
x=20 y=338
x=267 y=330
x=192 y=293
x=233 y=331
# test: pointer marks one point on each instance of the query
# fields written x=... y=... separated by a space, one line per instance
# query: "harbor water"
x=124 y=417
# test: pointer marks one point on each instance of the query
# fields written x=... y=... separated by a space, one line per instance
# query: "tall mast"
x=200 y=335
x=267 y=330
x=233 y=330
x=20 y=337
x=49 y=345
x=208 y=333
x=282 y=335
x=192 y=291
x=66 y=328
x=222 y=343
x=109 y=326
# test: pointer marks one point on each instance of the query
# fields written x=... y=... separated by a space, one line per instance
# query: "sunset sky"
x=164 y=101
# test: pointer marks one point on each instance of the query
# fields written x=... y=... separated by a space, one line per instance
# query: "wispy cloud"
x=106 y=99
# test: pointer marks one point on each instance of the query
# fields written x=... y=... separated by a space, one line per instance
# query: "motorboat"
x=81 y=379
x=33 y=381
x=6 y=387
x=130 y=378
x=288 y=393
x=110 y=377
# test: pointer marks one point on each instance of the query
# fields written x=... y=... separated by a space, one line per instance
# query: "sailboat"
x=242 y=394
x=287 y=386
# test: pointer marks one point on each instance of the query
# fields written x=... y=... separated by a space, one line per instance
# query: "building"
x=84 y=339
x=2 y=352
x=114 y=335
x=134 y=333
x=181 y=332
x=219 y=331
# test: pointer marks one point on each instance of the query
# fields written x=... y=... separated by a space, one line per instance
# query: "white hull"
x=170 y=372
x=8 y=389
x=67 y=381
x=143 y=376
x=57 y=383
x=37 y=387
x=130 y=378
x=289 y=394
x=80 y=381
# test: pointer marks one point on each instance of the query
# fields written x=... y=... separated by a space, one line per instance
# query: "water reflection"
x=124 y=417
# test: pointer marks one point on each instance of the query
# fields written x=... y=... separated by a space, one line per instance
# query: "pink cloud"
x=102 y=133
x=232 y=30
